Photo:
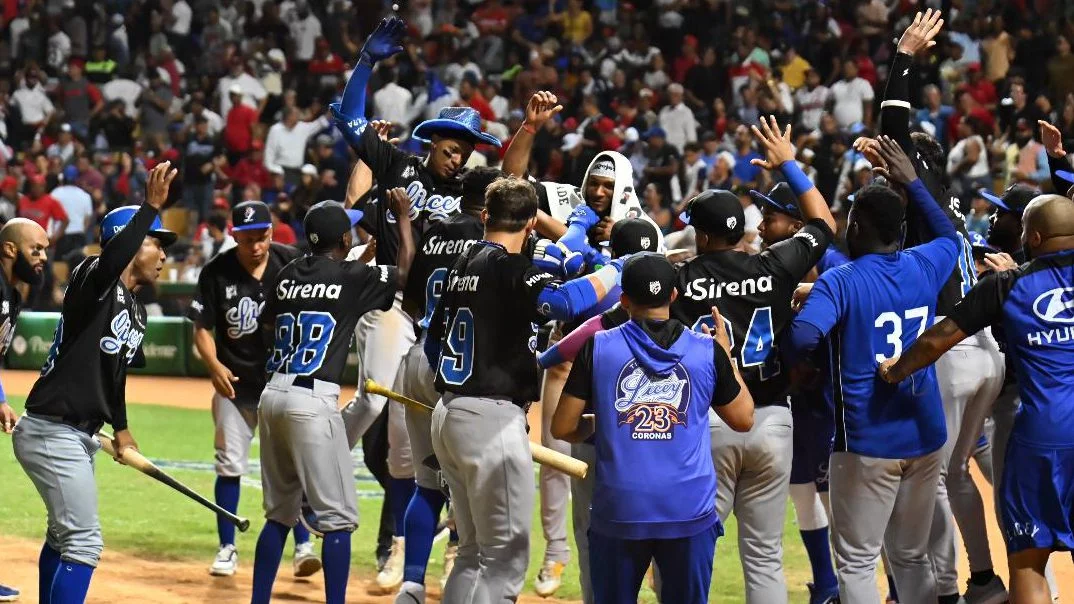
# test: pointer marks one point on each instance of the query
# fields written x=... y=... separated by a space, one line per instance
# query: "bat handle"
x=374 y=388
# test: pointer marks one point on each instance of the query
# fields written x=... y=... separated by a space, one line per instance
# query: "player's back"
x=1038 y=322
x=313 y=308
x=488 y=336
x=438 y=250
x=753 y=293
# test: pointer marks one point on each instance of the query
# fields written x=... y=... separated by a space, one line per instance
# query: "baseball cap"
x=309 y=169
x=328 y=220
x=980 y=244
x=633 y=235
x=717 y=212
x=648 y=279
x=234 y=89
x=250 y=215
x=116 y=220
x=655 y=131
x=1014 y=199
x=781 y=199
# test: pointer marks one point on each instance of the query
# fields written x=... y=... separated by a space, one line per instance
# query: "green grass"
x=168 y=526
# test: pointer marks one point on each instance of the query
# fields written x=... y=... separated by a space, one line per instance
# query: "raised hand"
x=1052 y=139
x=777 y=145
x=383 y=130
x=719 y=332
x=899 y=169
x=400 y=204
x=922 y=32
x=542 y=106
x=159 y=182
x=385 y=41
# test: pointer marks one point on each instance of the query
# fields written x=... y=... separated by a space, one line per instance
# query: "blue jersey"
x=1033 y=305
x=871 y=310
x=832 y=258
x=651 y=386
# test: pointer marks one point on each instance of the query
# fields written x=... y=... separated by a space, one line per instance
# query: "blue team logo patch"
x=242 y=318
x=649 y=405
x=124 y=333
x=1055 y=306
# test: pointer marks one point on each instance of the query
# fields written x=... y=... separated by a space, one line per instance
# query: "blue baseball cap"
x=250 y=215
x=1014 y=199
x=656 y=131
x=117 y=219
x=455 y=122
x=781 y=199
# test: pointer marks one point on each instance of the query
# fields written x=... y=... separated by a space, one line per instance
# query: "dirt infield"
x=126 y=578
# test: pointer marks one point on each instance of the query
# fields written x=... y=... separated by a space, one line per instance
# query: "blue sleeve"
x=937 y=259
x=1042 y=172
x=938 y=222
x=801 y=342
x=824 y=307
x=353 y=103
x=575 y=238
x=569 y=300
x=3 y=397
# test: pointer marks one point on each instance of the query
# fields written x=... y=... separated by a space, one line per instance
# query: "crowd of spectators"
x=94 y=93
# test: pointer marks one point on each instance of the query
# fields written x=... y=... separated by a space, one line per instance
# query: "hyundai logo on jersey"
x=1055 y=306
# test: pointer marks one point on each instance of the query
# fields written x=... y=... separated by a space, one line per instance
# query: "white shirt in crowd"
x=59 y=50
x=812 y=103
x=215 y=123
x=182 y=14
x=391 y=103
x=849 y=96
x=287 y=148
x=252 y=91
x=125 y=90
x=305 y=33
x=680 y=124
x=79 y=207
x=33 y=103
x=753 y=220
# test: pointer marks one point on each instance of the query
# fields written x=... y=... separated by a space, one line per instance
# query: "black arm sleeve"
x=377 y=154
x=800 y=253
x=727 y=387
x=579 y=382
x=895 y=108
x=120 y=250
x=983 y=305
x=1056 y=164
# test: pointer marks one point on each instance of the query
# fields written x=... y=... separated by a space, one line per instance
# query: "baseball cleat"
x=306 y=561
x=993 y=592
x=410 y=593
x=549 y=578
x=8 y=594
x=823 y=596
x=227 y=560
x=391 y=577
x=450 y=553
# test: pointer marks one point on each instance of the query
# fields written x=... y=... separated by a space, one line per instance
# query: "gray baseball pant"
x=383 y=339
x=555 y=485
x=880 y=503
x=416 y=380
x=581 y=502
x=484 y=455
x=304 y=450
x=753 y=472
x=59 y=461
x=234 y=428
x=970 y=377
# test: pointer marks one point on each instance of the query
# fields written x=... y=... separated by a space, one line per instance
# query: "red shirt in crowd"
x=984 y=92
x=283 y=233
x=42 y=209
x=247 y=171
x=329 y=65
x=478 y=103
x=491 y=19
x=238 y=130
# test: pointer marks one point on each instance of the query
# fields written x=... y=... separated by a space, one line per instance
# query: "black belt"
x=303 y=381
x=86 y=426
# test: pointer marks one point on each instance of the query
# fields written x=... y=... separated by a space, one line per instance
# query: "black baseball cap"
x=717 y=212
x=250 y=215
x=781 y=199
x=648 y=279
x=328 y=220
x=1014 y=199
x=633 y=235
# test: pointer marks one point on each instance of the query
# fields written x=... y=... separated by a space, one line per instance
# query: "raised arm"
x=780 y=153
x=541 y=107
x=1058 y=164
x=405 y=257
x=896 y=107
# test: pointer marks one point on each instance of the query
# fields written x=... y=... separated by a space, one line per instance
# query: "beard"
x=25 y=271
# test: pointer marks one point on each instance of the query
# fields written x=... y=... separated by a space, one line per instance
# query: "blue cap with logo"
x=250 y=215
x=117 y=219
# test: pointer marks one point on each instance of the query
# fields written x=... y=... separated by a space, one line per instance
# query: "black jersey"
x=485 y=324
x=100 y=332
x=10 y=305
x=438 y=250
x=431 y=200
x=753 y=294
x=229 y=301
x=895 y=122
x=313 y=308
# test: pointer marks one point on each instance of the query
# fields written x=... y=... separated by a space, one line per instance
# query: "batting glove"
x=554 y=258
x=350 y=128
x=583 y=215
x=385 y=41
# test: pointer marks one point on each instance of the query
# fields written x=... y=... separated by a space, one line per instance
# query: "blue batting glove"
x=350 y=128
x=385 y=41
x=548 y=257
x=619 y=262
x=583 y=215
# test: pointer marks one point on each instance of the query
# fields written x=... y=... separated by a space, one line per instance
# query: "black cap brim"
x=165 y=236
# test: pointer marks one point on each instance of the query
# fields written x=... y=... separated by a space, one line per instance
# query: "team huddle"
x=858 y=385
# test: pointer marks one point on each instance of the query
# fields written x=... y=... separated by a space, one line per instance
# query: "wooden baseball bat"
x=138 y=461
x=541 y=454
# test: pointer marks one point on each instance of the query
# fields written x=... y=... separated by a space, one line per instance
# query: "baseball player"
x=1032 y=307
x=228 y=302
x=887 y=455
x=970 y=378
x=654 y=485
x=436 y=252
x=312 y=309
x=812 y=413
x=23 y=251
x=480 y=343
x=753 y=294
x=82 y=387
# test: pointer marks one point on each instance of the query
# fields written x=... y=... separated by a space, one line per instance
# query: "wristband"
x=529 y=128
x=796 y=178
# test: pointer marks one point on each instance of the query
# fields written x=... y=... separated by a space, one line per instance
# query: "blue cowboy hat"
x=455 y=122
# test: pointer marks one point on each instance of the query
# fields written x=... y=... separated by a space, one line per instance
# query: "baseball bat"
x=541 y=454
x=138 y=461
